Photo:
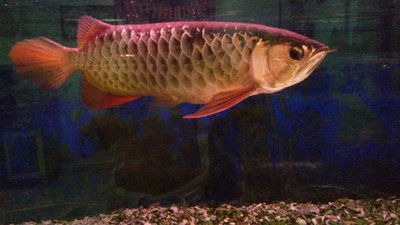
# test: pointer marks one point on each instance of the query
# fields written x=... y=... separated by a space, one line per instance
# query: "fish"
x=217 y=64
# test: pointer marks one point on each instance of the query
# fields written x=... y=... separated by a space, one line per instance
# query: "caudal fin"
x=43 y=62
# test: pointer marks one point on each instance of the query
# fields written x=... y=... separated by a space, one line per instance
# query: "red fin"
x=88 y=28
x=42 y=62
x=222 y=101
x=95 y=99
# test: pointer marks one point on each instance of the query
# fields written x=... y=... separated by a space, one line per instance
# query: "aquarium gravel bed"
x=342 y=211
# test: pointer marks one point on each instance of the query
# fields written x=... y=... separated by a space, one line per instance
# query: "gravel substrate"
x=342 y=211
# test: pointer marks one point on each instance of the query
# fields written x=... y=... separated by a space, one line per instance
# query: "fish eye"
x=296 y=53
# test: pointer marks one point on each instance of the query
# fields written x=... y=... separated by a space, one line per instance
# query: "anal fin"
x=223 y=101
x=96 y=99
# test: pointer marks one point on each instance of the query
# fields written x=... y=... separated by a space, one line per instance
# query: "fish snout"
x=325 y=49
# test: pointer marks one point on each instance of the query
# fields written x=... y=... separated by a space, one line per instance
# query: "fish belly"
x=178 y=63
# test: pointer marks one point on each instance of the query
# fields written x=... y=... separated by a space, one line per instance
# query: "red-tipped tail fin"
x=43 y=62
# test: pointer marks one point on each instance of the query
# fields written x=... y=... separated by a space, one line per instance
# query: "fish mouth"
x=325 y=49
x=317 y=58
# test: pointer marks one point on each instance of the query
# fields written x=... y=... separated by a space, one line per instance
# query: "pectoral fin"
x=222 y=101
x=96 y=99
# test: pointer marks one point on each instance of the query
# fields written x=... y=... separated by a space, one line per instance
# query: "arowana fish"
x=217 y=64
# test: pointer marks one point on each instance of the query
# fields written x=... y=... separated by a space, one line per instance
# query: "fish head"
x=280 y=65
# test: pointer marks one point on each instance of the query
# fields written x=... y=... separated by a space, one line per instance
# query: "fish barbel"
x=217 y=64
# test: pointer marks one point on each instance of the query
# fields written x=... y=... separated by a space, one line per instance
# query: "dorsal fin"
x=88 y=28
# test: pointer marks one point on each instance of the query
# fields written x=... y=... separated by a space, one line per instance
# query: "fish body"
x=179 y=62
x=201 y=62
